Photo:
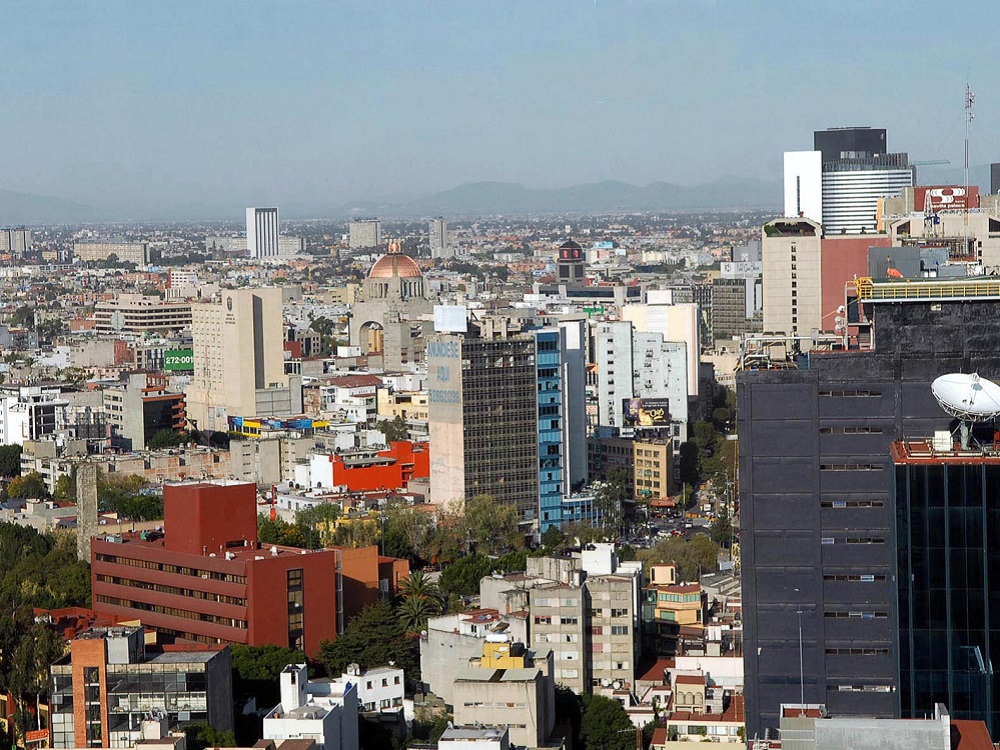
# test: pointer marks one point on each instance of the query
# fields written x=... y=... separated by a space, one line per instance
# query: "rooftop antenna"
x=970 y=99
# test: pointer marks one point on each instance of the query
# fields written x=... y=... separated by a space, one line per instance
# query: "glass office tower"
x=948 y=577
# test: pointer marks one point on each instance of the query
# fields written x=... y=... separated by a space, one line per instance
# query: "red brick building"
x=208 y=579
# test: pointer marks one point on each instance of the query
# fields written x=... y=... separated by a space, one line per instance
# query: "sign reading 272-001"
x=178 y=359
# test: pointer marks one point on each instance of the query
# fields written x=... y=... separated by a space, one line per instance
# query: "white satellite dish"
x=969 y=398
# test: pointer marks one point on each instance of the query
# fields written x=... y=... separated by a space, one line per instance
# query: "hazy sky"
x=136 y=104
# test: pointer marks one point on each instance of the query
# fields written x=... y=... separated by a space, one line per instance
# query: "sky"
x=140 y=107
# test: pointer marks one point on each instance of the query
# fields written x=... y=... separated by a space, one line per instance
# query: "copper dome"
x=395 y=264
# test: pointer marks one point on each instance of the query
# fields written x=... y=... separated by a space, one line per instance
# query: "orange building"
x=391 y=469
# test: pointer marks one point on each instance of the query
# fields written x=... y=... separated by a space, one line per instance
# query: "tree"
x=605 y=725
x=372 y=639
x=201 y=735
x=610 y=499
x=721 y=531
x=30 y=486
x=395 y=429
x=419 y=586
x=23 y=317
x=553 y=539
x=692 y=557
x=414 y=613
x=10 y=460
x=492 y=527
x=462 y=576
x=167 y=439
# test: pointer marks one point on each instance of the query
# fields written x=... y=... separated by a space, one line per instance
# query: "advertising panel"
x=646 y=412
x=946 y=197
x=178 y=360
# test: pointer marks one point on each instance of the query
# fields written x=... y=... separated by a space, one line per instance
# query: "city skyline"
x=144 y=110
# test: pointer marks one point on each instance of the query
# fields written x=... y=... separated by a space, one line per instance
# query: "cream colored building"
x=139 y=313
x=239 y=360
x=125 y=252
x=791 y=251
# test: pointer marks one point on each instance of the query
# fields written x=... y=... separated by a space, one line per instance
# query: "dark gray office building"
x=848 y=144
x=817 y=511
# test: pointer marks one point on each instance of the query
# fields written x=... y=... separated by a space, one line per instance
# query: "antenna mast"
x=970 y=99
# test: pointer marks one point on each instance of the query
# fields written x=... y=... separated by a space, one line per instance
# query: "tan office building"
x=239 y=360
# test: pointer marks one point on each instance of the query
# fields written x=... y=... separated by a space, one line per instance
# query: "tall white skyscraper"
x=262 y=232
x=439 y=239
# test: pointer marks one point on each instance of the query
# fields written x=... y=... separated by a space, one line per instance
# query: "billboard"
x=646 y=412
x=178 y=360
x=450 y=319
x=945 y=197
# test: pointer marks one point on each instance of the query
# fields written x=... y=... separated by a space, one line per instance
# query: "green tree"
x=372 y=639
x=167 y=439
x=10 y=460
x=419 y=586
x=721 y=531
x=462 y=576
x=23 y=317
x=611 y=497
x=692 y=557
x=605 y=725
x=201 y=735
x=30 y=486
x=553 y=539
x=395 y=429
x=414 y=613
x=492 y=527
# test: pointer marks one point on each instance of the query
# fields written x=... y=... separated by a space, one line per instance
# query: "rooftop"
x=925 y=451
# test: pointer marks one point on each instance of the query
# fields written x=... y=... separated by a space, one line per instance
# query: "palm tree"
x=420 y=587
x=413 y=613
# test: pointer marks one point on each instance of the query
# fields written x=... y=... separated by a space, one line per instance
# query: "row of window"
x=172 y=611
x=176 y=590
x=857 y=652
x=857 y=615
x=168 y=568
x=851 y=394
x=852 y=504
x=852 y=540
x=851 y=467
x=850 y=430
x=863 y=578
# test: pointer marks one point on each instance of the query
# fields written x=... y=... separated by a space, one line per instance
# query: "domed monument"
x=393 y=315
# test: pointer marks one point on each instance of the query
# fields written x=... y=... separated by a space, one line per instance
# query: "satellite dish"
x=968 y=398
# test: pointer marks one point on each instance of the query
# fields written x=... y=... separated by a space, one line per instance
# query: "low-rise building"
x=109 y=682
x=140 y=313
x=508 y=686
x=139 y=406
x=475 y=738
x=325 y=712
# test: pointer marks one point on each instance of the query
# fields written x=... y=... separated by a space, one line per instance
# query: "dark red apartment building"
x=207 y=578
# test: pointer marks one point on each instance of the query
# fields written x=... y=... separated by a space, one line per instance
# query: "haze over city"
x=143 y=110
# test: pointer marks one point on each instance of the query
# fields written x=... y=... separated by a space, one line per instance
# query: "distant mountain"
x=28 y=209
x=478 y=198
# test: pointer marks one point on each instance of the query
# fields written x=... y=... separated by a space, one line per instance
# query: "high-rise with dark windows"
x=828 y=542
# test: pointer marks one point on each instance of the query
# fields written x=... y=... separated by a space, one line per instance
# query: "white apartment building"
x=365 y=233
x=323 y=711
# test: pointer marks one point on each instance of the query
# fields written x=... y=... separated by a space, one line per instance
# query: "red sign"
x=36 y=735
x=945 y=197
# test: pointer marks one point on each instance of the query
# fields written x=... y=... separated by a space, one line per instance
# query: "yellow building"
x=681 y=605
x=410 y=405
x=653 y=468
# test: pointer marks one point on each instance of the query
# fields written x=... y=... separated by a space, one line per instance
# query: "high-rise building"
x=365 y=234
x=110 y=684
x=633 y=364
x=15 y=242
x=262 y=232
x=440 y=246
x=507 y=419
x=839 y=183
x=824 y=533
x=239 y=368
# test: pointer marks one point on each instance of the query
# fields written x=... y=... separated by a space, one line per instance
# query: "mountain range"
x=470 y=199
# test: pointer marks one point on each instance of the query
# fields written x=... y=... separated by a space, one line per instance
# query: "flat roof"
x=922 y=451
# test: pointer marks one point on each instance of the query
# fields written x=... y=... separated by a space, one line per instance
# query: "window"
x=296 y=609
x=619 y=630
